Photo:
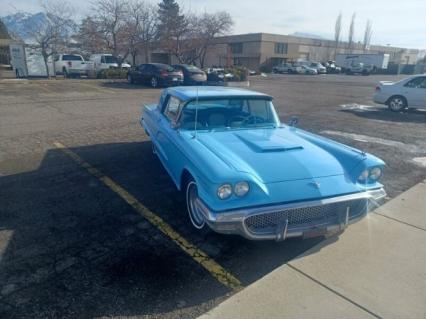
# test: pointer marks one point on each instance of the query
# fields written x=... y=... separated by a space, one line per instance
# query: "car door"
x=415 y=92
x=422 y=94
x=138 y=73
x=168 y=137
x=148 y=72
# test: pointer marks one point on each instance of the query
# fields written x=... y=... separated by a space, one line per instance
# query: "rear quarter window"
x=71 y=57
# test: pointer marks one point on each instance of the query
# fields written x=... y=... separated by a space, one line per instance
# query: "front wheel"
x=195 y=214
x=397 y=103
x=130 y=79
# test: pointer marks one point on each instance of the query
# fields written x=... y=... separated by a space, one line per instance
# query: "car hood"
x=279 y=154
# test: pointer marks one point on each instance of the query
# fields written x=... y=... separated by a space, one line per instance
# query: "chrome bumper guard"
x=307 y=219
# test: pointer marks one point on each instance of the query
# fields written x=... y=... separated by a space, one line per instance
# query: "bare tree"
x=149 y=27
x=54 y=30
x=110 y=17
x=337 y=32
x=89 y=37
x=351 y=33
x=211 y=25
x=141 y=28
x=367 y=34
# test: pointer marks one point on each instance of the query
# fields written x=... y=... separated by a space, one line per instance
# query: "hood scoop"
x=264 y=144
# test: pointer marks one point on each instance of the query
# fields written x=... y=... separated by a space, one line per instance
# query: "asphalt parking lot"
x=74 y=245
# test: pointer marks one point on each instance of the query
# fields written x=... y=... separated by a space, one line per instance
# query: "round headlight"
x=241 y=189
x=364 y=175
x=375 y=173
x=224 y=191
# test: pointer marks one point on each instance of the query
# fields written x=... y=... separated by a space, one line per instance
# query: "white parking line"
x=356 y=106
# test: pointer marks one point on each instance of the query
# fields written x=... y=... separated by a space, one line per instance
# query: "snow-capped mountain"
x=21 y=24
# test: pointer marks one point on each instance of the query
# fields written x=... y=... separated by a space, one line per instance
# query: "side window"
x=416 y=83
x=141 y=67
x=172 y=108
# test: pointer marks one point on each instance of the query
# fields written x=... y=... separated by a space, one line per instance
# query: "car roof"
x=157 y=64
x=187 y=93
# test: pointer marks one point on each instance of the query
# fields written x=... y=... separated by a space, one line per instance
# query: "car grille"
x=304 y=216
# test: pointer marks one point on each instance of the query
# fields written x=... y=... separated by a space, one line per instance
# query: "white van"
x=106 y=61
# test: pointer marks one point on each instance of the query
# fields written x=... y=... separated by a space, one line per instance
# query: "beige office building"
x=253 y=50
x=256 y=49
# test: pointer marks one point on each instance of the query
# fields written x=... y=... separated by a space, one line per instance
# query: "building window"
x=236 y=47
x=281 y=48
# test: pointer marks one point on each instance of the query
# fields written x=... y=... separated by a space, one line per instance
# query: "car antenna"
x=196 y=112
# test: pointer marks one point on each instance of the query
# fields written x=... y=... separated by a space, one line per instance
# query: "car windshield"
x=166 y=67
x=192 y=68
x=110 y=59
x=235 y=113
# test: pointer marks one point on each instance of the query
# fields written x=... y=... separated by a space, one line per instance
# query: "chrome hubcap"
x=396 y=104
x=196 y=216
x=154 y=82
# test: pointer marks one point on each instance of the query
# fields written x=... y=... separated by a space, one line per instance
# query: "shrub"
x=266 y=68
x=240 y=73
x=113 y=73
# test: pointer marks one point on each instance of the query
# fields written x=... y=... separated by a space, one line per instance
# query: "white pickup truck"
x=71 y=65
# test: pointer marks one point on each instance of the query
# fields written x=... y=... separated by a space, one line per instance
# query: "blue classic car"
x=243 y=172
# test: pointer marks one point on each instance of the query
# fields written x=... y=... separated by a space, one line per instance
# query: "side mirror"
x=293 y=121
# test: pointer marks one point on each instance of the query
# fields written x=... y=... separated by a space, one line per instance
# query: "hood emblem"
x=315 y=184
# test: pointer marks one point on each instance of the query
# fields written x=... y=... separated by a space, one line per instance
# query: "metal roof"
x=186 y=93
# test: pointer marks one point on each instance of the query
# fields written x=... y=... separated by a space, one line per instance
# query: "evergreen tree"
x=172 y=25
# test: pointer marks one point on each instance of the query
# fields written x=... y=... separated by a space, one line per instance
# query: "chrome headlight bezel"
x=224 y=191
x=370 y=175
x=241 y=189
x=363 y=177
x=375 y=173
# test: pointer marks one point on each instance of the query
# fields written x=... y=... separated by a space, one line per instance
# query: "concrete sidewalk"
x=375 y=269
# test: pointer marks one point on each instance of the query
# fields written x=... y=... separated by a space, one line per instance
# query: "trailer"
x=28 y=62
x=372 y=62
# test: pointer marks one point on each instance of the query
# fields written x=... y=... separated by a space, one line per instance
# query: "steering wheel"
x=238 y=118
x=253 y=119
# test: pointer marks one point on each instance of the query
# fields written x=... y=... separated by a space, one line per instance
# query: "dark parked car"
x=191 y=74
x=332 y=67
x=155 y=74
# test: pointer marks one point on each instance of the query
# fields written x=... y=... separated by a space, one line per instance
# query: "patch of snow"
x=369 y=139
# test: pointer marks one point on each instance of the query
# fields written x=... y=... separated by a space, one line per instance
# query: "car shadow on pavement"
x=71 y=247
x=383 y=114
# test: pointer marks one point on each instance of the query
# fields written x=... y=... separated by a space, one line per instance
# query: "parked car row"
x=159 y=74
x=307 y=67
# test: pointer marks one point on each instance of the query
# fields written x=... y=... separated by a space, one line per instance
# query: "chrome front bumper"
x=307 y=219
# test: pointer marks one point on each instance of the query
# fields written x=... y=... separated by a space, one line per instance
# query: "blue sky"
x=398 y=23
